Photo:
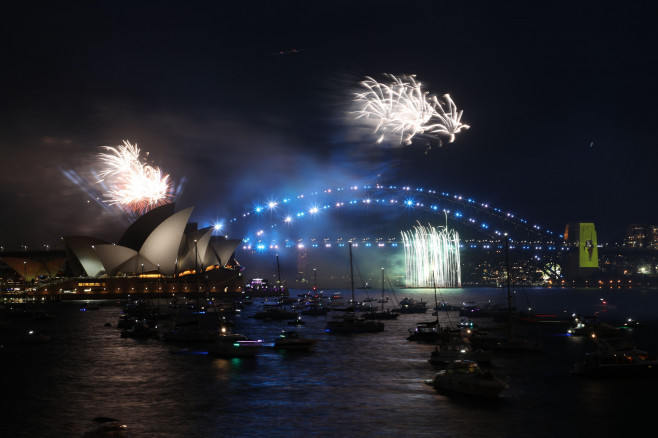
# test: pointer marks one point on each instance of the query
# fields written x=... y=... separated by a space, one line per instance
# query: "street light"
x=196 y=266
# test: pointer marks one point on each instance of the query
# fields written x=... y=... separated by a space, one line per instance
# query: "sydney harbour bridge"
x=310 y=229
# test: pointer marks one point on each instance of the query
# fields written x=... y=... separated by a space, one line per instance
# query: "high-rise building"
x=302 y=264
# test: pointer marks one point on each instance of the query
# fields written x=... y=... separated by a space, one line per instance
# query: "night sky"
x=560 y=97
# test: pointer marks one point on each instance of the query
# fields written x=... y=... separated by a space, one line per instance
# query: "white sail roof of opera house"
x=220 y=251
x=137 y=233
x=159 y=251
x=195 y=246
x=161 y=240
x=83 y=259
x=30 y=269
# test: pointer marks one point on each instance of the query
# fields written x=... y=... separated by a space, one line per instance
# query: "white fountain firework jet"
x=402 y=107
x=431 y=255
x=134 y=186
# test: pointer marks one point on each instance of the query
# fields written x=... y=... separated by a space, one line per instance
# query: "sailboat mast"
x=382 y=290
x=351 y=275
x=436 y=302
x=509 y=284
x=278 y=268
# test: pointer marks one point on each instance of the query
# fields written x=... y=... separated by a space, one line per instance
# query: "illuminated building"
x=158 y=252
x=580 y=238
x=641 y=236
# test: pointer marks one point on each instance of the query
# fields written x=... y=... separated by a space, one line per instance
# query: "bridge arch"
x=377 y=213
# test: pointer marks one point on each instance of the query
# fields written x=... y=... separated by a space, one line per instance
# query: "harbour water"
x=362 y=385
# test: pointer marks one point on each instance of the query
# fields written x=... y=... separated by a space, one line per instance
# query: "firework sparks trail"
x=402 y=107
x=133 y=185
x=431 y=255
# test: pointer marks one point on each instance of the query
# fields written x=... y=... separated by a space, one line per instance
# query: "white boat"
x=235 y=345
x=466 y=377
x=617 y=357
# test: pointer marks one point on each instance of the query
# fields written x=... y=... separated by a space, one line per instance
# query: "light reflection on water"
x=363 y=385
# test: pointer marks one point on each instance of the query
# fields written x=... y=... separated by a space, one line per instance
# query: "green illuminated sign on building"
x=589 y=255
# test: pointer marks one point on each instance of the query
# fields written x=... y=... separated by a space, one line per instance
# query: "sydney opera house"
x=161 y=252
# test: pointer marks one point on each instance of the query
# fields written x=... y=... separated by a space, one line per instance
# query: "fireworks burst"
x=133 y=185
x=402 y=107
x=450 y=122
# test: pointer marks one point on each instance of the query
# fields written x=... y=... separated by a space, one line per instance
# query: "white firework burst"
x=402 y=107
x=450 y=121
x=132 y=185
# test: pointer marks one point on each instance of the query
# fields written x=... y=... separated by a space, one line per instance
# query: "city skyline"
x=239 y=104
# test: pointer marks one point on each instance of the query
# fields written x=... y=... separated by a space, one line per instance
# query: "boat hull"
x=229 y=346
x=470 y=385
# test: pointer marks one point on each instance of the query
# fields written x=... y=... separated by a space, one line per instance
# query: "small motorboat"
x=292 y=341
x=35 y=337
x=466 y=377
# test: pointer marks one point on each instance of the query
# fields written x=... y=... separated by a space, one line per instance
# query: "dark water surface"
x=356 y=385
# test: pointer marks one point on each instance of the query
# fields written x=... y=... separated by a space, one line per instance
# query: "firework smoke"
x=401 y=107
x=131 y=184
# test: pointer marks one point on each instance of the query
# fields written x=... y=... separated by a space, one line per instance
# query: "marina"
x=367 y=384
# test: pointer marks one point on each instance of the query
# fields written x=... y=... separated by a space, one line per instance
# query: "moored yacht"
x=466 y=377
x=617 y=357
x=350 y=322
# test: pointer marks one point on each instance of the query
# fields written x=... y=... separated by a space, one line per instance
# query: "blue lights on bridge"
x=314 y=220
